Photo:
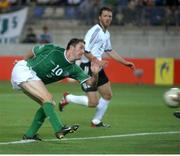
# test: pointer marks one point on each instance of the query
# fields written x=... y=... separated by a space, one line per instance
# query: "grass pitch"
x=140 y=123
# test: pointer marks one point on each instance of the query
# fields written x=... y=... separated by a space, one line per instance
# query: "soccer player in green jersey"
x=43 y=65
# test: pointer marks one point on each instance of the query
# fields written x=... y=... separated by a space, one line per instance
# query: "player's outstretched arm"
x=92 y=58
x=113 y=54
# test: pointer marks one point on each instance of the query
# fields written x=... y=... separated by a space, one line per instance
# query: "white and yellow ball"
x=172 y=97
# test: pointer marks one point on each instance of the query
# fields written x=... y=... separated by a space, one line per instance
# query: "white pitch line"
x=118 y=136
x=17 y=142
x=90 y=138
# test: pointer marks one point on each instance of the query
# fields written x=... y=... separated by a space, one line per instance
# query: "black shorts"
x=102 y=78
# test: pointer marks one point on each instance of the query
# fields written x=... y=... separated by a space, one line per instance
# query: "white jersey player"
x=97 y=42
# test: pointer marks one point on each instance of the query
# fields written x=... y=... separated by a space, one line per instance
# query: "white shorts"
x=22 y=73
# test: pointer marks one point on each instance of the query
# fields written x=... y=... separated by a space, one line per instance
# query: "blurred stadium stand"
x=142 y=30
x=126 y=12
x=141 y=16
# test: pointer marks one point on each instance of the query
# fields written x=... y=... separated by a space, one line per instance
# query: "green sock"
x=37 y=122
x=51 y=115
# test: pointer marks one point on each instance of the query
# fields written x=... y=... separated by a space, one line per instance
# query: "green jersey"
x=51 y=65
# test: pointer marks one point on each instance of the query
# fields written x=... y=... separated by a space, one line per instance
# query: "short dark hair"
x=73 y=42
x=104 y=9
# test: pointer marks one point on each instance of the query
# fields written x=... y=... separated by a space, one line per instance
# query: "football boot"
x=63 y=102
x=101 y=124
x=177 y=114
x=35 y=137
x=65 y=130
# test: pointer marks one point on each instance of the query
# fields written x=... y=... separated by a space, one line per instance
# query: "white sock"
x=100 y=110
x=80 y=100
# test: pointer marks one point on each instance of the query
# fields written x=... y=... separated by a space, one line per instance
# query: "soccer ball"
x=172 y=97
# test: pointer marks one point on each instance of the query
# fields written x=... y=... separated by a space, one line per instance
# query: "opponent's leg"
x=88 y=100
x=91 y=98
x=106 y=93
x=74 y=99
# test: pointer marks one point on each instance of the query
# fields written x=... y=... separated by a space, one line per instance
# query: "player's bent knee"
x=107 y=97
x=48 y=98
x=53 y=103
x=49 y=101
x=93 y=103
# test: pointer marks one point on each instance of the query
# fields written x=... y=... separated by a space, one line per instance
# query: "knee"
x=93 y=102
x=48 y=98
x=107 y=96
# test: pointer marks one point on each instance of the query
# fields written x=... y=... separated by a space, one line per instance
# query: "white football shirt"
x=96 y=42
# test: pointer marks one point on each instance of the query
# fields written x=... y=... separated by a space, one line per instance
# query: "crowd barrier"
x=148 y=71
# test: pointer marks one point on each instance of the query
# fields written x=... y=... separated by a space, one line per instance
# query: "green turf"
x=133 y=109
